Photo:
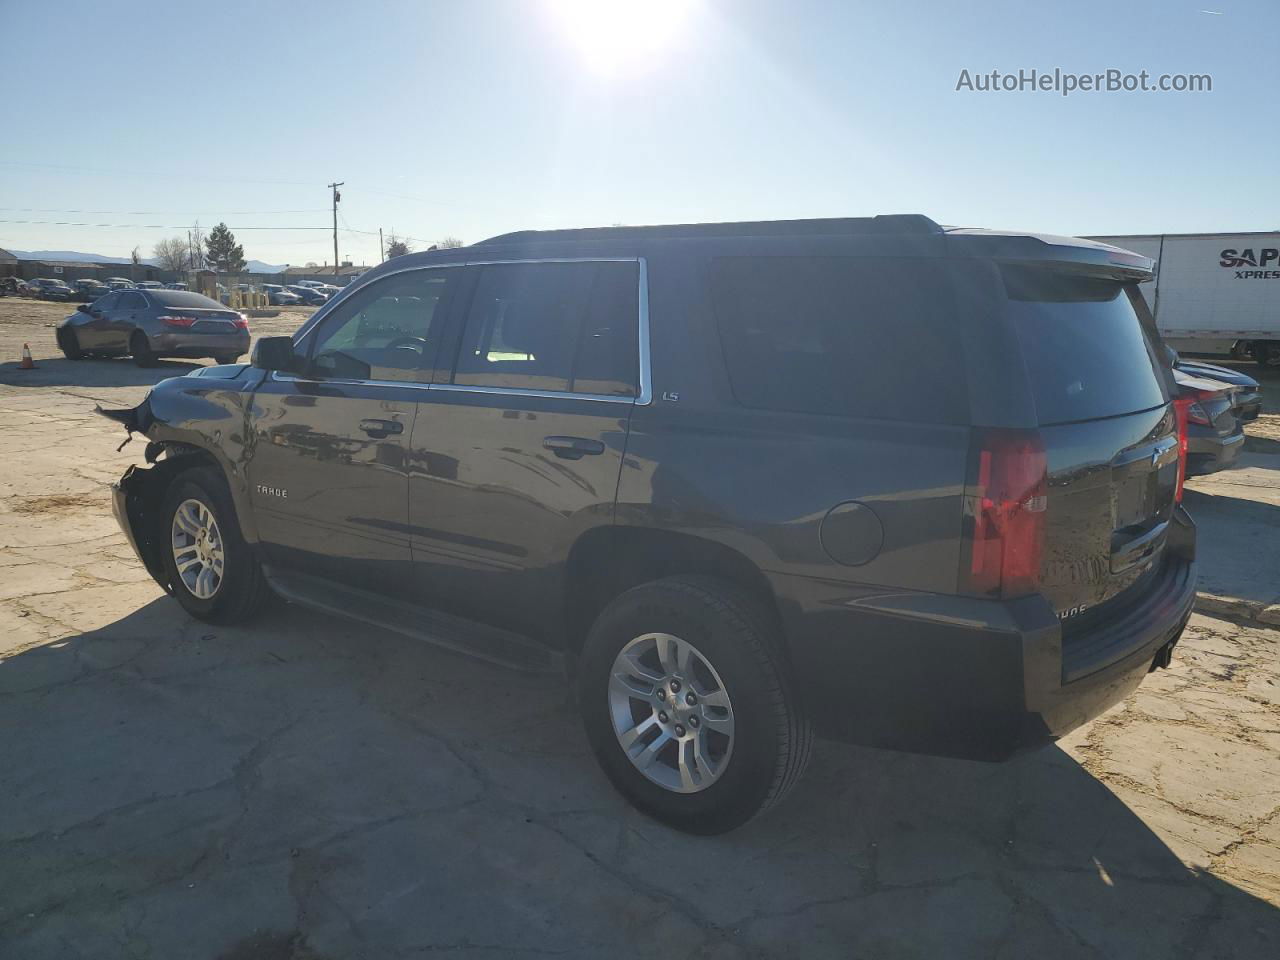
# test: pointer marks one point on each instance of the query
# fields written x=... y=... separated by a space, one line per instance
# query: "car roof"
x=895 y=235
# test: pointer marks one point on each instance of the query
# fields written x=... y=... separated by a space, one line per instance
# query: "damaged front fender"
x=135 y=419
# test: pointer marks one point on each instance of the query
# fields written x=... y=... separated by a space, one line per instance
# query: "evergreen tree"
x=222 y=251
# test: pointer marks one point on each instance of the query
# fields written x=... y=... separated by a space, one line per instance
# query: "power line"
x=163 y=213
x=374 y=233
x=141 y=226
x=71 y=168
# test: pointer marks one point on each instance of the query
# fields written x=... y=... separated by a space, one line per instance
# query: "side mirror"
x=83 y=308
x=274 y=353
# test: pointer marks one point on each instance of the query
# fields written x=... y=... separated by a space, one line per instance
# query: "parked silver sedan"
x=149 y=324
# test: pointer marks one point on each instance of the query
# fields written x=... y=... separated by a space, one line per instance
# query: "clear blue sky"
x=471 y=118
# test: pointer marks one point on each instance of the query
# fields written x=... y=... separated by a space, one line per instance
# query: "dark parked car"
x=1215 y=435
x=278 y=296
x=149 y=324
x=86 y=291
x=872 y=479
x=1244 y=391
x=309 y=295
x=48 y=289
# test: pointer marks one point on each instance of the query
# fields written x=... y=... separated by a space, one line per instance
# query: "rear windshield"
x=185 y=298
x=1086 y=353
x=834 y=335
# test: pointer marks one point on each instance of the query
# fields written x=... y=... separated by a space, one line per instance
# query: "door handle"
x=573 y=448
x=381 y=428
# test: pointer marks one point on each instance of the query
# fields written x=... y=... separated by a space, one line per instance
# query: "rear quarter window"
x=860 y=337
x=1086 y=353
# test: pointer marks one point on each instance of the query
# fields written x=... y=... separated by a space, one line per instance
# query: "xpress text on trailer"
x=1215 y=293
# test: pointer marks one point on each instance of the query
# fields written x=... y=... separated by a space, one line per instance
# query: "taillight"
x=177 y=321
x=1195 y=413
x=1181 y=407
x=241 y=322
x=1008 y=500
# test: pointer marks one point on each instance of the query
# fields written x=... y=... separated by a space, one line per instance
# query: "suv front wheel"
x=212 y=569
x=686 y=700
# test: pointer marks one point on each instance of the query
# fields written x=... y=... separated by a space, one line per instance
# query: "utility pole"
x=382 y=250
x=336 y=197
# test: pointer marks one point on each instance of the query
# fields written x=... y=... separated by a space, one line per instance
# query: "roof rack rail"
x=894 y=223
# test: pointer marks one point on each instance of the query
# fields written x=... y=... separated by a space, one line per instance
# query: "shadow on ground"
x=314 y=789
x=95 y=372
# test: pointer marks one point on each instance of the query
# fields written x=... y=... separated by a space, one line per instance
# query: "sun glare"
x=617 y=36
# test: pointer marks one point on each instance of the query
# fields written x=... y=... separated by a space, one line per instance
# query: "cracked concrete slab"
x=311 y=789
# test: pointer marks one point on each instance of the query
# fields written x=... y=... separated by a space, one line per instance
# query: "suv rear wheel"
x=688 y=706
x=214 y=574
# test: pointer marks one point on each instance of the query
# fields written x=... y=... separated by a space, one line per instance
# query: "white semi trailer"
x=1214 y=293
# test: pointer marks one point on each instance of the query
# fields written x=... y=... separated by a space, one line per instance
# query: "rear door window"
x=559 y=327
x=845 y=336
x=1086 y=353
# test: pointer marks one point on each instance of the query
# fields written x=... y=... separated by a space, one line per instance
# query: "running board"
x=457 y=634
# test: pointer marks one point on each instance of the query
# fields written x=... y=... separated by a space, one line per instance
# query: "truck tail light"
x=1006 y=506
x=1195 y=412
x=1181 y=407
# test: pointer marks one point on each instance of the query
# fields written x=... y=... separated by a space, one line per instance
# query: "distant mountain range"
x=75 y=256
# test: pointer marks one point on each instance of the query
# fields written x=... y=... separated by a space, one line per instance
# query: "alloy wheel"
x=198 y=551
x=671 y=712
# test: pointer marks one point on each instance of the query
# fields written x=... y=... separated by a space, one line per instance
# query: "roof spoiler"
x=1063 y=254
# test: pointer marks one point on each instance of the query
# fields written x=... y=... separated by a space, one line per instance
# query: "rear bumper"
x=962 y=677
x=200 y=344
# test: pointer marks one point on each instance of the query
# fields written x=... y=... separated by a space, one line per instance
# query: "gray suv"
x=869 y=479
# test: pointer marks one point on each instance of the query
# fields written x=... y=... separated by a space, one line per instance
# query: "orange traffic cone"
x=27 y=363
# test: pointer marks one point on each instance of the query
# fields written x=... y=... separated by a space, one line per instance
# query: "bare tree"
x=396 y=246
x=172 y=253
x=449 y=243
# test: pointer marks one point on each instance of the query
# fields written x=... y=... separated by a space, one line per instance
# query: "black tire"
x=772 y=738
x=69 y=344
x=226 y=357
x=1266 y=353
x=140 y=350
x=243 y=590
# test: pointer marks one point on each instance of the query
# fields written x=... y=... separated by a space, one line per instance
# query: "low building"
x=8 y=264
